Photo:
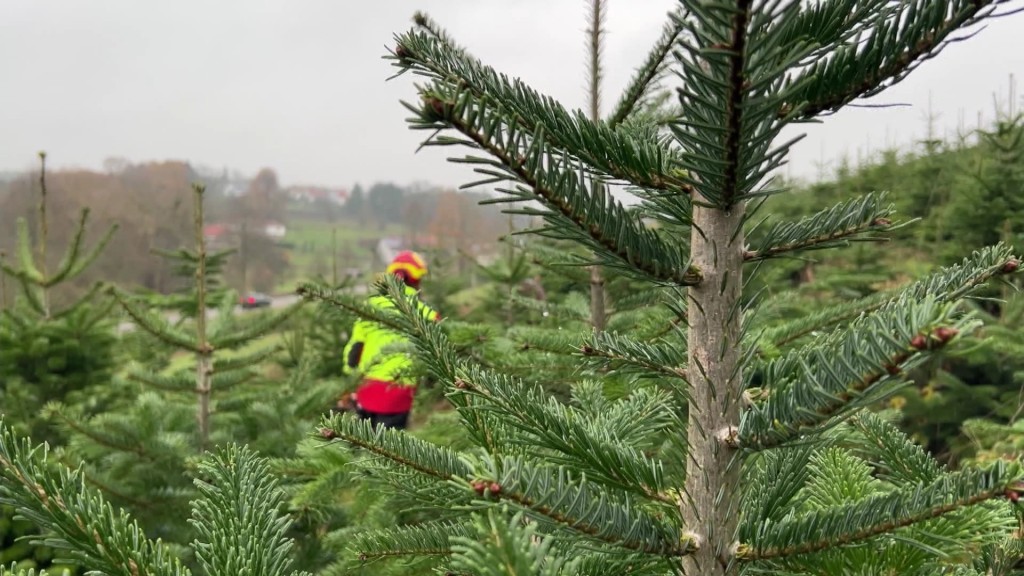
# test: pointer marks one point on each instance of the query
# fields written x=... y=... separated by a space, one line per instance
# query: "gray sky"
x=299 y=86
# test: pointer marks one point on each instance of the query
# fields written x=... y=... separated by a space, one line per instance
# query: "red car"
x=256 y=300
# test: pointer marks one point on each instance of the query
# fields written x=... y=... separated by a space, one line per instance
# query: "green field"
x=310 y=248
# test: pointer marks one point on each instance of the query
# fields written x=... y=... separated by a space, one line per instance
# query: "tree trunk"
x=43 y=234
x=597 y=308
x=3 y=284
x=334 y=256
x=597 y=300
x=204 y=353
x=244 y=255
x=710 y=506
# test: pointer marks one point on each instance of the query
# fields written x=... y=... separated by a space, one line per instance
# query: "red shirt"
x=385 y=397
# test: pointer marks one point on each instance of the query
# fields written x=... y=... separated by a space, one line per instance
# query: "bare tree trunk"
x=510 y=312
x=43 y=233
x=334 y=256
x=3 y=282
x=204 y=353
x=597 y=292
x=710 y=506
x=244 y=253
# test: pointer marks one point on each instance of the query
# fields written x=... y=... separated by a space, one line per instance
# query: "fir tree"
x=236 y=514
x=790 y=475
x=595 y=39
x=985 y=210
x=48 y=348
x=697 y=468
x=211 y=388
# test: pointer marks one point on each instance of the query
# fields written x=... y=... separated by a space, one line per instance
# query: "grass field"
x=311 y=248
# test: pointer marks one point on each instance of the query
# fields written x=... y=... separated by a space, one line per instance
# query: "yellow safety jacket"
x=365 y=352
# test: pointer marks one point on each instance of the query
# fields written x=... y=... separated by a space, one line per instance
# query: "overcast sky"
x=300 y=87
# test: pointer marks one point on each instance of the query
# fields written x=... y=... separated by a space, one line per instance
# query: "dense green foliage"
x=882 y=383
x=598 y=476
x=50 y=349
x=161 y=413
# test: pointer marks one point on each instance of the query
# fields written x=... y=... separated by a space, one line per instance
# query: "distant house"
x=219 y=233
x=215 y=232
x=234 y=189
x=275 y=230
x=388 y=248
x=336 y=196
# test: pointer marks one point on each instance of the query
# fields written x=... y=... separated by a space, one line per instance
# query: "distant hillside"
x=967 y=194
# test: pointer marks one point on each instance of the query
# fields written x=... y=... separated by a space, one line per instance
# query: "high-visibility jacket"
x=387 y=385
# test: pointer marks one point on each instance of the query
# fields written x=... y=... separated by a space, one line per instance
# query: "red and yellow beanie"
x=410 y=264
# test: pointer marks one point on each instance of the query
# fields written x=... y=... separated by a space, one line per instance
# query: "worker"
x=387 y=386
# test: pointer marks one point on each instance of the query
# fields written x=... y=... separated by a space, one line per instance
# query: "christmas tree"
x=51 y=345
x=748 y=447
x=202 y=381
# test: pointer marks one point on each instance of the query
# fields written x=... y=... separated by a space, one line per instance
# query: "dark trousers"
x=400 y=420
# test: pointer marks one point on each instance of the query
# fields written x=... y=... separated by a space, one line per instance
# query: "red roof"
x=214 y=230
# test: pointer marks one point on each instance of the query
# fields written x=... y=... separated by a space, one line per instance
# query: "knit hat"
x=410 y=264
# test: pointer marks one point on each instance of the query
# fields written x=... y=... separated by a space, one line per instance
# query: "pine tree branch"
x=641 y=419
x=543 y=340
x=735 y=96
x=946 y=285
x=813 y=385
x=114 y=442
x=882 y=514
x=243 y=361
x=598 y=145
x=882 y=56
x=815 y=30
x=501 y=546
x=544 y=419
x=550 y=424
x=620 y=352
x=601 y=563
x=222 y=382
x=428 y=539
x=640 y=300
x=426 y=458
x=71 y=255
x=180 y=382
x=649 y=72
x=433 y=347
x=240 y=529
x=154 y=324
x=780 y=476
x=897 y=457
x=26 y=262
x=74 y=263
x=554 y=495
x=81 y=521
x=834 y=226
x=106 y=488
x=775 y=337
x=33 y=296
x=102 y=313
x=728 y=131
x=184 y=382
x=595 y=217
x=352 y=304
x=233 y=337
x=428 y=25
x=955 y=282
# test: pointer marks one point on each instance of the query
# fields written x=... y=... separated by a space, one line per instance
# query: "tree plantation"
x=654 y=354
